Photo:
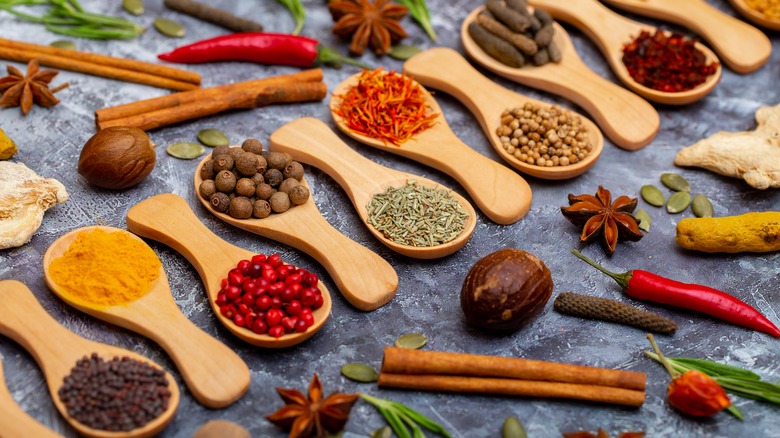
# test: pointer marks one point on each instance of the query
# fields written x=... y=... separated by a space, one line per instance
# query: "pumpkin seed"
x=644 y=220
x=213 y=138
x=675 y=182
x=169 y=27
x=382 y=432
x=64 y=44
x=404 y=52
x=678 y=202
x=135 y=7
x=359 y=372
x=412 y=341
x=701 y=206
x=513 y=429
x=185 y=150
x=652 y=195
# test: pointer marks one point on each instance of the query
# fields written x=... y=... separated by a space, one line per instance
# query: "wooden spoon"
x=221 y=429
x=16 y=423
x=742 y=47
x=446 y=70
x=215 y=374
x=627 y=119
x=311 y=141
x=168 y=219
x=753 y=15
x=56 y=350
x=611 y=32
x=503 y=195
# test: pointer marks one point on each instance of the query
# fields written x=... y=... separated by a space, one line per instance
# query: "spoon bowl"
x=756 y=17
x=16 y=422
x=56 y=350
x=311 y=141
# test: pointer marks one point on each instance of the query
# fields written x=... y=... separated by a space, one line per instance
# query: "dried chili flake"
x=387 y=106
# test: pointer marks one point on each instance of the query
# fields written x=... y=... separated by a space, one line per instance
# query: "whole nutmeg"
x=117 y=158
x=505 y=289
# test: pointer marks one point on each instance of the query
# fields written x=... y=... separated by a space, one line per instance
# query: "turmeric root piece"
x=24 y=197
x=752 y=155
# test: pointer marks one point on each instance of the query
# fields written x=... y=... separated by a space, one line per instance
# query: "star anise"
x=598 y=215
x=24 y=90
x=312 y=416
x=602 y=434
x=368 y=23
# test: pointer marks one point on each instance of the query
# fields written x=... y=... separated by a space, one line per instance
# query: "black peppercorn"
x=288 y=185
x=207 y=171
x=273 y=177
x=299 y=194
x=222 y=162
x=240 y=208
x=246 y=164
x=252 y=145
x=264 y=191
x=207 y=188
x=261 y=209
x=220 y=202
x=225 y=181
x=280 y=202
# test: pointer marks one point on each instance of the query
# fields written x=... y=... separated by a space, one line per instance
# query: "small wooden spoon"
x=169 y=220
x=215 y=374
x=503 y=195
x=611 y=32
x=311 y=141
x=446 y=70
x=627 y=119
x=56 y=350
x=755 y=16
x=16 y=423
x=742 y=47
x=221 y=429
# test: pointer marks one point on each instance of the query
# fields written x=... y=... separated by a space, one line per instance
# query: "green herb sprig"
x=419 y=11
x=401 y=418
x=298 y=13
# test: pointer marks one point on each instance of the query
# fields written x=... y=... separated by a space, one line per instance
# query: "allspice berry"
x=252 y=145
x=222 y=162
x=225 y=181
x=288 y=185
x=294 y=170
x=207 y=188
x=220 y=150
x=273 y=177
x=257 y=179
x=220 y=202
x=280 y=202
x=240 y=208
x=117 y=158
x=262 y=164
x=299 y=194
x=264 y=191
x=261 y=209
x=246 y=164
x=245 y=187
x=277 y=160
x=235 y=152
x=207 y=171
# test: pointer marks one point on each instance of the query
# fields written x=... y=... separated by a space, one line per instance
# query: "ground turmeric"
x=750 y=232
x=102 y=268
x=7 y=146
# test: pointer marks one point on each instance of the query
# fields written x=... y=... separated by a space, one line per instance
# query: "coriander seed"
x=252 y=145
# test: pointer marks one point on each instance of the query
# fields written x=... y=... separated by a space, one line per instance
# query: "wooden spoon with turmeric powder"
x=758 y=17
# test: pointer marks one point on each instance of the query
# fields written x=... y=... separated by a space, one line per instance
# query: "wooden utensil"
x=742 y=47
x=626 y=119
x=16 y=423
x=168 y=219
x=755 y=16
x=446 y=70
x=221 y=429
x=503 y=195
x=611 y=32
x=215 y=374
x=56 y=350
x=311 y=141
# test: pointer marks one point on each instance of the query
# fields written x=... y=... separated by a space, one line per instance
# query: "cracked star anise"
x=313 y=415
x=598 y=215
x=602 y=434
x=24 y=90
x=374 y=23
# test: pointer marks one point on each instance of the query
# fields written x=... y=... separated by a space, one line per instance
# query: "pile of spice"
x=512 y=35
x=265 y=295
x=386 y=106
x=669 y=63
x=102 y=268
x=770 y=8
x=119 y=395
x=250 y=182
x=417 y=215
x=544 y=136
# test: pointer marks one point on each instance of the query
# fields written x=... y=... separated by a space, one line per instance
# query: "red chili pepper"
x=645 y=285
x=259 y=47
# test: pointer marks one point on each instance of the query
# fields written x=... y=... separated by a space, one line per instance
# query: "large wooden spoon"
x=626 y=119
x=215 y=374
x=611 y=31
x=14 y=422
x=753 y=15
x=311 y=141
x=56 y=350
x=168 y=219
x=742 y=47
x=446 y=70
x=503 y=195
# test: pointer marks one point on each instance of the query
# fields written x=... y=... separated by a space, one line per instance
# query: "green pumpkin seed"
x=412 y=341
x=675 y=182
x=359 y=372
x=652 y=195
x=678 y=202
x=513 y=429
x=701 y=206
x=185 y=150
x=135 y=7
x=169 y=27
x=64 y=44
x=644 y=220
x=382 y=432
x=403 y=52
x=213 y=138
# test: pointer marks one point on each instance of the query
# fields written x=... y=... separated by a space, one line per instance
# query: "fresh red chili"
x=259 y=47
x=645 y=285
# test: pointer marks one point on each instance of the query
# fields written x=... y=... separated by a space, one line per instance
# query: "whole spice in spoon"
x=599 y=215
x=23 y=90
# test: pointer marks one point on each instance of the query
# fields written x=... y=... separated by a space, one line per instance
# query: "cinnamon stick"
x=420 y=362
x=177 y=99
x=526 y=388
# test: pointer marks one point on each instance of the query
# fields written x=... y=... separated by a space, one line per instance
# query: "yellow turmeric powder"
x=103 y=268
x=770 y=8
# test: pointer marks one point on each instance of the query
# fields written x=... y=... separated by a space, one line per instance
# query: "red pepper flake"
x=666 y=63
x=386 y=106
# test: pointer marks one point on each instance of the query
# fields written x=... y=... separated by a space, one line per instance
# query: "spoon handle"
x=16 y=423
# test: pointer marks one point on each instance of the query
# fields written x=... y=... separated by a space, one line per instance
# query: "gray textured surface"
x=428 y=295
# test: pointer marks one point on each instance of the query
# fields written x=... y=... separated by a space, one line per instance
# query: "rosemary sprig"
x=419 y=11
x=401 y=418
x=298 y=13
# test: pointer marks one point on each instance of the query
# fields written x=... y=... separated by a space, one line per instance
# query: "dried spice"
x=375 y=23
x=603 y=309
x=313 y=415
x=598 y=215
x=411 y=340
x=602 y=434
x=23 y=90
x=387 y=106
x=770 y=8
